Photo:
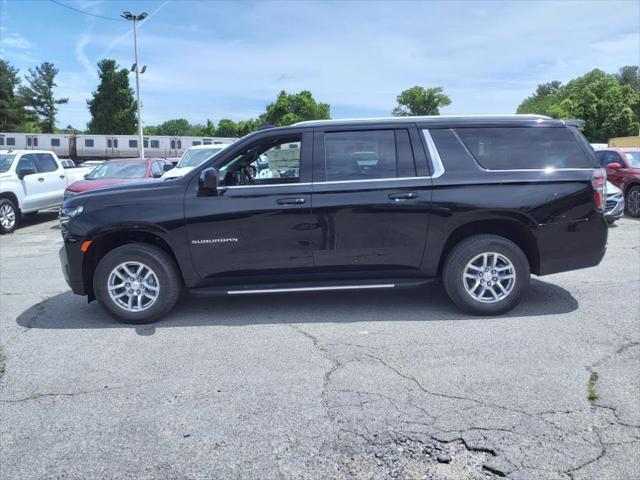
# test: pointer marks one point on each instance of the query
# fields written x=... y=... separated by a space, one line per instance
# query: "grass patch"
x=592 y=393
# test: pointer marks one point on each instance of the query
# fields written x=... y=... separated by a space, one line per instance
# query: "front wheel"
x=632 y=201
x=8 y=216
x=137 y=283
x=486 y=275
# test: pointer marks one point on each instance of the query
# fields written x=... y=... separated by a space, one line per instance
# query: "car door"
x=613 y=175
x=33 y=186
x=370 y=198
x=55 y=179
x=257 y=225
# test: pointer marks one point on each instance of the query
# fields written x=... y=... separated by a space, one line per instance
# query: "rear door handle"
x=41 y=179
x=403 y=196
x=291 y=201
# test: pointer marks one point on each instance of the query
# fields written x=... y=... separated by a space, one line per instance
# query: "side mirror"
x=614 y=166
x=86 y=175
x=156 y=174
x=166 y=167
x=209 y=180
x=24 y=171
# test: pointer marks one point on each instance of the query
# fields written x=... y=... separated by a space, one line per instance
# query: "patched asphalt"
x=345 y=385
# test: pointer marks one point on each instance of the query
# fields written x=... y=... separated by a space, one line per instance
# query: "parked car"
x=114 y=172
x=614 y=207
x=623 y=170
x=481 y=202
x=193 y=157
x=30 y=180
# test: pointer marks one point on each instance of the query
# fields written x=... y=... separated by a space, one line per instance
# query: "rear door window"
x=45 y=163
x=360 y=155
x=516 y=148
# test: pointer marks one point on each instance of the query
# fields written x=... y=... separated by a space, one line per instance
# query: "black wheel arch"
x=511 y=229
x=107 y=239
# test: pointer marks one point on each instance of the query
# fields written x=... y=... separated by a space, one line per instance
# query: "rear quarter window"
x=516 y=148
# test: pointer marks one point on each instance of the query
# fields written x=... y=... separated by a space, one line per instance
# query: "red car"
x=119 y=171
x=623 y=170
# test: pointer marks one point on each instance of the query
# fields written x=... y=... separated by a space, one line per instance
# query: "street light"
x=135 y=19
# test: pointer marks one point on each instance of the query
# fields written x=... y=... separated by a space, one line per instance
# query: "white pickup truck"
x=31 y=180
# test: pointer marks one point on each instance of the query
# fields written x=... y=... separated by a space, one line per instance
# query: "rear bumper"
x=572 y=245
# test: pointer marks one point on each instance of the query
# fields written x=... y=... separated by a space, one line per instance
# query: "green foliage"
x=420 y=101
x=112 y=107
x=227 y=128
x=177 y=126
x=295 y=107
x=13 y=114
x=629 y=75
x=287 y=109
x=38 y=95
x=608 y=107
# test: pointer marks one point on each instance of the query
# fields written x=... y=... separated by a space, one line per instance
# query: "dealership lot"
x=343 y=385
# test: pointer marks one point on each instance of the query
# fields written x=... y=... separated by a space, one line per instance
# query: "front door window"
x=274 y=161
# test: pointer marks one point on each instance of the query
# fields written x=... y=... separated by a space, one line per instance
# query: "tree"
x=295 y=107
x=227 y=128
x=629 y=75
x=245 y=127
x=13 y=114
x=112 y=107
x=542 y=100
x=38 y=95
x=177 y=126
x=420 y=101
x=607 y=107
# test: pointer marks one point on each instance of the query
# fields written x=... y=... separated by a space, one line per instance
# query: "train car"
x=88 y=146
x=57 y=143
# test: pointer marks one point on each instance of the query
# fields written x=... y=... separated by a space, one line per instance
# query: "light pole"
x=137 y=18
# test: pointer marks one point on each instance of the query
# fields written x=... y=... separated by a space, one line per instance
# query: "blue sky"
x=214 y=59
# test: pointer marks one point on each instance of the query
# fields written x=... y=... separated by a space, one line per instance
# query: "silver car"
x=614 y=207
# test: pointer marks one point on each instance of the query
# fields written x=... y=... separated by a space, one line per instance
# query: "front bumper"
x=614 y=207
x=71 y=264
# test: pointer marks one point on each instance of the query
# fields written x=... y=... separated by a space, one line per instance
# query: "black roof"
x=443 y=121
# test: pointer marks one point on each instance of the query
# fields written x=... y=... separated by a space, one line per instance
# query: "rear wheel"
x=8 y=216
x=632 y=202
x=137 y=283
x=486 y=275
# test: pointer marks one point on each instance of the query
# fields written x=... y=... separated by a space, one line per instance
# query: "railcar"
x=88 y=146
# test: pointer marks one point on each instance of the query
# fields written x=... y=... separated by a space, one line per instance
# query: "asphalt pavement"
x=345 y=385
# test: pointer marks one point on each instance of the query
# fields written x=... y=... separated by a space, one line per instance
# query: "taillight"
x=599 y=184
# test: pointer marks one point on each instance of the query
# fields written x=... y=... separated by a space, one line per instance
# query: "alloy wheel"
x=633 y=202
x=489 y=277
x=133 y=286
x=7 y=216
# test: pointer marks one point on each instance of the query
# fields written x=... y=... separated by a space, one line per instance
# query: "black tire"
x=8 y=209
x=468 y=249
x=169 y=281
x=632 y=201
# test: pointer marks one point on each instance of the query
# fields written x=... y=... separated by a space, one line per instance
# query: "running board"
x=306 y=287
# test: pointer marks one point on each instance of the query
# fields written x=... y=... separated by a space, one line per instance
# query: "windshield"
x=633 y=158
x=5 y=162
x=119 y=170
x=196 y=157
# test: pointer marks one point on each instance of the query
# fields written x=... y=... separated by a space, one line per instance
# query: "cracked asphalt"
x=344 y=385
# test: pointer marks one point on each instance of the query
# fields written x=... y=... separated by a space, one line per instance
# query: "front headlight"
x=69 y=213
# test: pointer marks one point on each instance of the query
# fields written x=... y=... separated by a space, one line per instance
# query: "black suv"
x=480 y=202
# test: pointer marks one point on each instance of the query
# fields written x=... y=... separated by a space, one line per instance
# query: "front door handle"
x=397 y=197
x=41 y=179
x=291 y=201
